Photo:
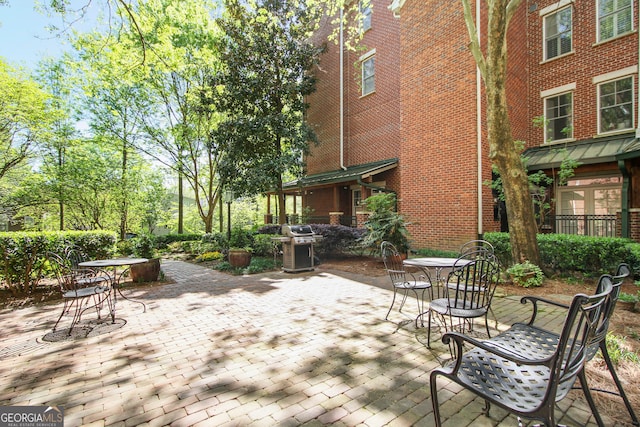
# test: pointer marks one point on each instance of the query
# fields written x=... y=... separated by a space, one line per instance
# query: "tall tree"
x=268 y=57
x=26 y=117
x=504 y=152
x=179 y=37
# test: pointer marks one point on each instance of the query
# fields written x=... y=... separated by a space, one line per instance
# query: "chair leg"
x=404 y=299
x=434 y=398
x=392 y=302
x=616 y=380
x=486 y=323
x=429 y=329
x=587 y=394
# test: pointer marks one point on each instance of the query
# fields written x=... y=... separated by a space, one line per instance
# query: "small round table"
x=115 y=283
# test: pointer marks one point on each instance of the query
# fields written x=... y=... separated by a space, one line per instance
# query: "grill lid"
x=296 y=230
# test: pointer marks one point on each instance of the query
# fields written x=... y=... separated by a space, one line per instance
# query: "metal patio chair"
x=402 y=280
x=521 y=335
x=476 y=247
x=526 y=376
x=469 y=291
x=79 y=292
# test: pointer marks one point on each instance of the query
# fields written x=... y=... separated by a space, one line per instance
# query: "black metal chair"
x=469 y=290
x=78 y=291
x=403 y=280
x=475 y=247
x=521 y=335
x=526 y=376
x=72 y=257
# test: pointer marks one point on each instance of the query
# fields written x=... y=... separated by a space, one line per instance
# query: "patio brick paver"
x=271 y=349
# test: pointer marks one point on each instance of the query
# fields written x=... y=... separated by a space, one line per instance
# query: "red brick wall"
x=372 y=123
x=439 y=151
x=588 y=60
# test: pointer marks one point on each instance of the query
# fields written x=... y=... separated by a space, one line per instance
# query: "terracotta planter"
x=146 y=272
x=239 y=258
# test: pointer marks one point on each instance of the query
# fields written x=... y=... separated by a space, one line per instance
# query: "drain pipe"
x=342 y=166
x=479 y=128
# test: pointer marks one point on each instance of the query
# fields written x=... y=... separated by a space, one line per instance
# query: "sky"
x=24 y=38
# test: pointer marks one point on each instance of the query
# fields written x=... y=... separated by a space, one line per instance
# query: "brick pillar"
x=634 y=224
x=361 y=218
x=334 y=217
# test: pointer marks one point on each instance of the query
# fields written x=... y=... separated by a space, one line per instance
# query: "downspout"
x=342 y=166
x=624 y=215
x=479 y=128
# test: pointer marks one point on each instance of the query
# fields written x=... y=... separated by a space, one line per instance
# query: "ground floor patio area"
x=212 y=349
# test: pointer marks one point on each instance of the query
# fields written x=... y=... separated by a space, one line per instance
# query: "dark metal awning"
x=587 y=152
x=352 y=173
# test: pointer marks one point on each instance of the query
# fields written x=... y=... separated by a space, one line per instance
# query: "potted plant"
x=526 y=274
x=144 y=247
x=240 y=257
x=385 y=224
x=627 y=301
x=240 y=249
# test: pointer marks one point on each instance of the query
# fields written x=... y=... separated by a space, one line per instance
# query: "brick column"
x=334 y=217
x=634 y=224
x=361 y=218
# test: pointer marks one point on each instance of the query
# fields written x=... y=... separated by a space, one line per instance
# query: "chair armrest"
x=535 y=300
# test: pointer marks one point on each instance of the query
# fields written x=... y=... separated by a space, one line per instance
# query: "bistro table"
x=115 y=263
x=438 y=264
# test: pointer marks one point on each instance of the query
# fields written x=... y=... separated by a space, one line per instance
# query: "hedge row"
x=23 y=255
x=566 y=253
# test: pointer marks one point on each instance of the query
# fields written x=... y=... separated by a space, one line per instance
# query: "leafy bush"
x=209 y=256
x=260 y=265
x=163 y=241
x=263 y=245
x=526 y=274
x=24 y=254
x=568 y=254
x=619 y=350
x=337 y=239
x=240 y=238
x=270 y=229
x=384 y=224
x=218 y=240
x=144 y=246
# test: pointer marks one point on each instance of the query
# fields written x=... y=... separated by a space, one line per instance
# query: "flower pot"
x=239 y=258
x=146 y=272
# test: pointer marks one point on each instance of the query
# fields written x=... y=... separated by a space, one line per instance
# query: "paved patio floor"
x=263 y=350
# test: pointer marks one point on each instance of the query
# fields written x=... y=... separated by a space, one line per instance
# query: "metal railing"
x=584 y=225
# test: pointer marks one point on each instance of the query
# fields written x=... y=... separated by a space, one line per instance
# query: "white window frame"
x=369 y=56
x=615 y=14
x=547 y=13
x=366 y=12
x=632 y=108
x=553 y=93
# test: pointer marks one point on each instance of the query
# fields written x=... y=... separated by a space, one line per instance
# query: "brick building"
x=405 y=114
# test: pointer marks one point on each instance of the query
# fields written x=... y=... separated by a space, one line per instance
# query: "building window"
x=365 y=11
x=558 y=114
x=368 y=75
x=558 y=33
x=615 y=103
x=614 y=18
x=588 y=206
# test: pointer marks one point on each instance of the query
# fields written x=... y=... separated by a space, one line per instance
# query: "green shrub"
x=24 y=254
x=163 y=241
x=619 y=350
x=240 y=238
x=210 y=256
x=526 y=274
x=263 y=245
x=567 y=254
x=144 y=246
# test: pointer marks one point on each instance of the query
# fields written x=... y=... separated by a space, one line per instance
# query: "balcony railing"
x=584 y=225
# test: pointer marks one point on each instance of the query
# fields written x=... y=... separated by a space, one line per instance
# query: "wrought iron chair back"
x=403 y=280
x=76 y=291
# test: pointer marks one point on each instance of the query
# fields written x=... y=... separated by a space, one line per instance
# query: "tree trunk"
x=503 y=151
